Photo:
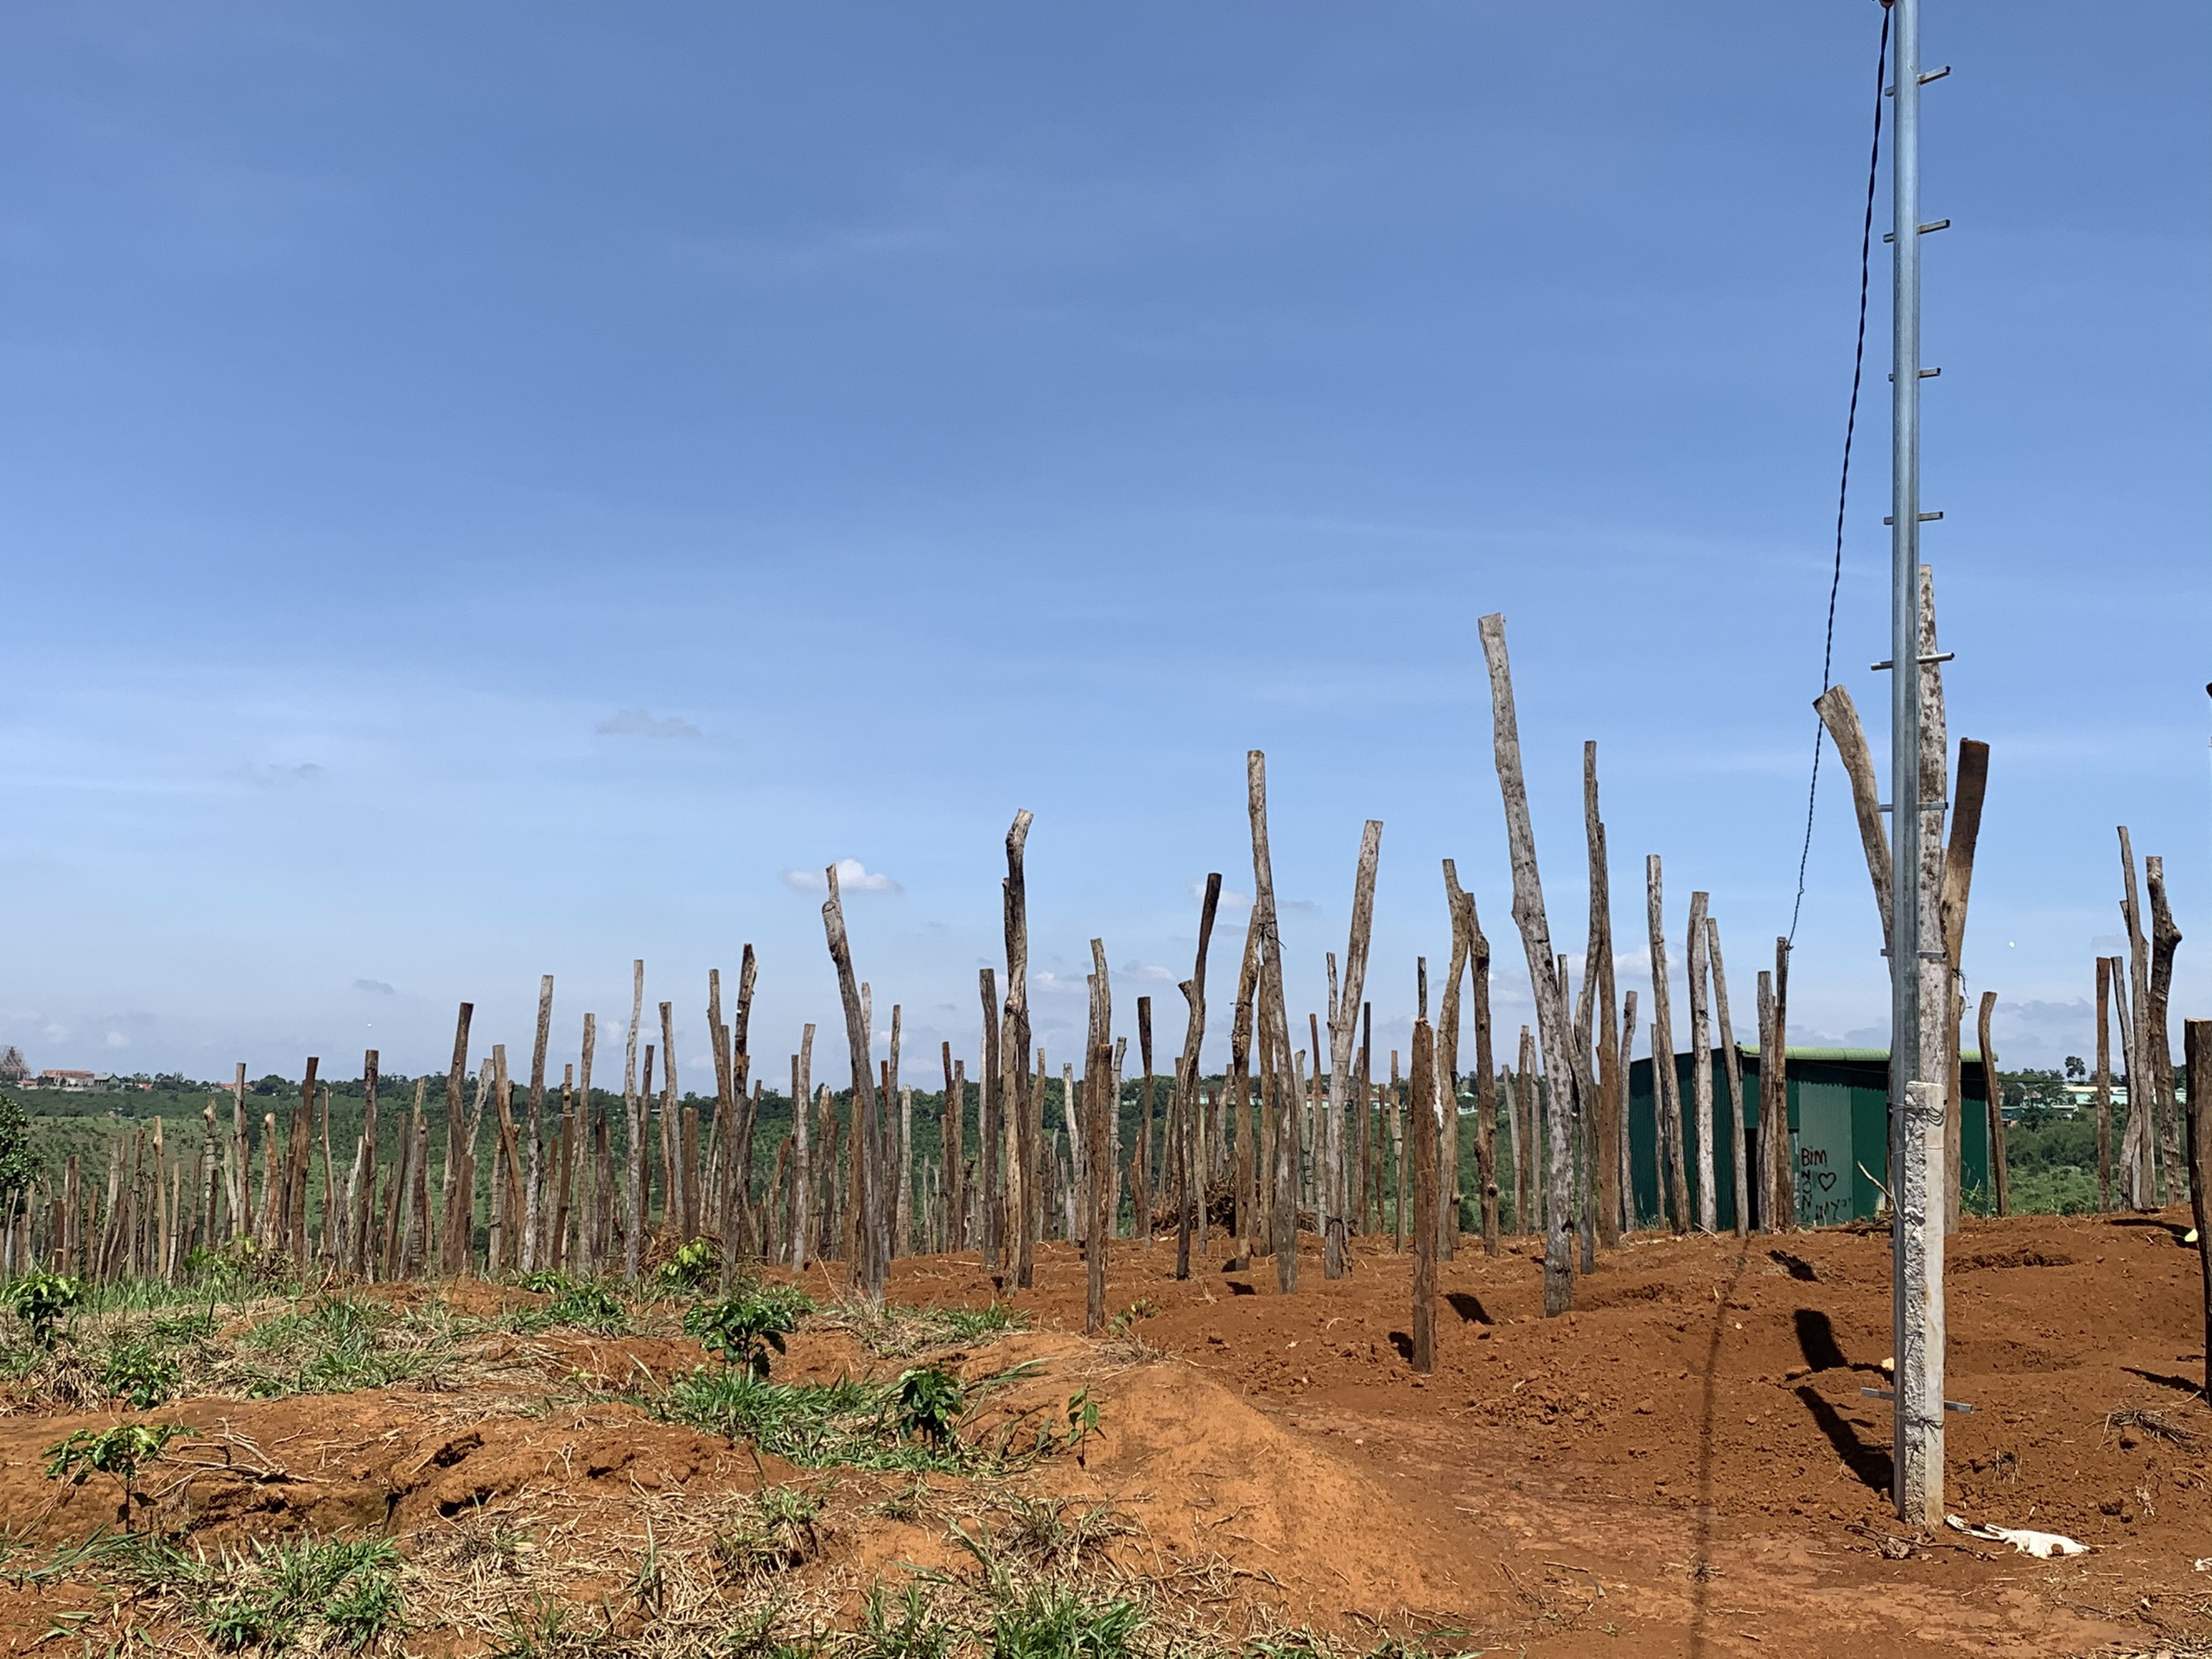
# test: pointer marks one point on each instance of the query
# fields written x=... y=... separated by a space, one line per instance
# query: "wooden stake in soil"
x=2000 y=1181
x=633 y=1113
x=1536 y=942
x=1599 y=992
x=2157 y=1046
x=1666 y=1091
x=1016 y=1095
x=532 y=1217
x=2197 y=1055
x=1186 y=1084
x=1343 y=1029
x=867 y=1275
x=1734 y=1062
x=1143 y=1194
x=1460 y=909
x=1423 y=1122
x=1242 y=1170
x=1701 y=1067
x=1097 y=1088
x=1274 y=1020
x=989 y=1201
x=2104 y=1083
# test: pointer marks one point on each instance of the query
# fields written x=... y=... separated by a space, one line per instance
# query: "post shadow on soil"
x=1870 y=1463
x=1469 y=1307
x=2190 y=1385
x=1700 y=1563
x=1404 y=1343
x=1796 y=1265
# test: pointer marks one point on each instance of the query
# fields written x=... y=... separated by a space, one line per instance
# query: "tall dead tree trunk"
x=1536 y=942
x=2197 y=1054
x=1958 y=886
x=1244 y=1201
x=1626 y=1054
x=532 y=1219
x=1459 y=909
x=1140 y=1179
x=989 y=1202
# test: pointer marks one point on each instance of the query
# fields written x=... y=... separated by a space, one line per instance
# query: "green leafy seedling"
x=42 y=1300
x=928 y=1403
x=122 y=1452
x=1082 y=1423
x=743 y=1329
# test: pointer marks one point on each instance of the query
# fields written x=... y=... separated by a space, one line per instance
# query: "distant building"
x=75 y=1082
x=11 y=1067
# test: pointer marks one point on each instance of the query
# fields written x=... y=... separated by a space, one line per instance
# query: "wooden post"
x=532 y=1216
x=1665 y=1088
x=1097 y=1088
x=1734 y=1063
x=1702 y=1067
x=2197 y=1055
x=990 y=1202
x=1627 y=1054
x=2158 y=1045
x=671 y=1170
x=1785 y=1192
x=1015 y=1094
x=633 y=1117
x=1599 y=991
x=1281 y=1107
x=452 y=1249
x=1423 y=1119
x=1343 y=1029
x=361 y=1260
x=1460 y=910
x=1958 y=882
x=1186 y=1086
x=1536 y=942
x=2104 y=1083
x=2138 y=1153
x=2000 y=1181
x=1149 y=1089
x=865 y=1275
x=949 y=1138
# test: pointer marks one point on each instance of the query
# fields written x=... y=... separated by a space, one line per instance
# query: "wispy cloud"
x=637 y=722
x=375 y=988
x=1231 y=899
x=853 y=876
x=1150 y=971
x=283 y=777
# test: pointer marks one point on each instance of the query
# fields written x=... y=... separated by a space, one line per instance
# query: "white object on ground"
x=2041 y=1545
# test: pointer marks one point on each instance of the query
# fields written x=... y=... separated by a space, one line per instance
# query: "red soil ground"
x=1685 y=1464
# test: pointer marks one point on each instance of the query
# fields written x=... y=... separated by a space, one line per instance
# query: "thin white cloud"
x=375 y=988
x=1151 y=971
x=853 y=876
x=637 y=722
x=1231 y=899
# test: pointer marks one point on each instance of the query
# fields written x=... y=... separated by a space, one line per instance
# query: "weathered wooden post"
x=2000 y=1181
x=1599 y=992
x=2196 y=1056
x=1459 y=908
x=1343 y=1028
x=1186 y=1084
x=1016 y=1095
x=1243 y=1172
x=866 y=1274
x=1536 y=942
x=1708 y=1199
x=1734 y=1062
x=1666 y=1090
x=1424 y=1127
x=2158 y=1045
x=990 y=1208
x=2104 y=1083
x=1097 y=1089
x=1147 y=1097
x=633 y=1117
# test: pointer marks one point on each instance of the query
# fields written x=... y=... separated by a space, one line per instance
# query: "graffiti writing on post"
x=1823 y=1196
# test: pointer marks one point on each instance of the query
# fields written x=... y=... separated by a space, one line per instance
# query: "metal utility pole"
x=1916 y=1104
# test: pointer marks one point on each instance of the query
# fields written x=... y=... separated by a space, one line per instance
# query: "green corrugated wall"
x=1838 y=1118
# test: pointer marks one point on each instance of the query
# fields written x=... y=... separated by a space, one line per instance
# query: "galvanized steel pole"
x=1918 y=1487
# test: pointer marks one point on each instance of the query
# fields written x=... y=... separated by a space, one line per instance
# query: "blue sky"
x=493 y=490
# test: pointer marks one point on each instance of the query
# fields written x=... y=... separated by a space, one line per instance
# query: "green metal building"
x=1839 y=1133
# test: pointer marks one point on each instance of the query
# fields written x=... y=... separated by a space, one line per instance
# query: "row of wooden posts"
x=1292 y=1140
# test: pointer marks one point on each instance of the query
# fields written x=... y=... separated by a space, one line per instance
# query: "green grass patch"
x=318 y=1595
x=337 y=1343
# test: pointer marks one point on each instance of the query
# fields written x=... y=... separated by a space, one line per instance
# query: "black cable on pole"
x=1849 y=429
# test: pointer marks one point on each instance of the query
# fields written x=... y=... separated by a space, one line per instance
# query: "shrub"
x=743 y=1329
x=140 y=1373
x=42 y=1300
x=691 y=1265
x=928 y=1404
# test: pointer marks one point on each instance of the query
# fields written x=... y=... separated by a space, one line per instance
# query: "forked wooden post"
x=1343 y=1028
x=1188 y=1072
x=2104 y=1083
x=1423 y=1118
